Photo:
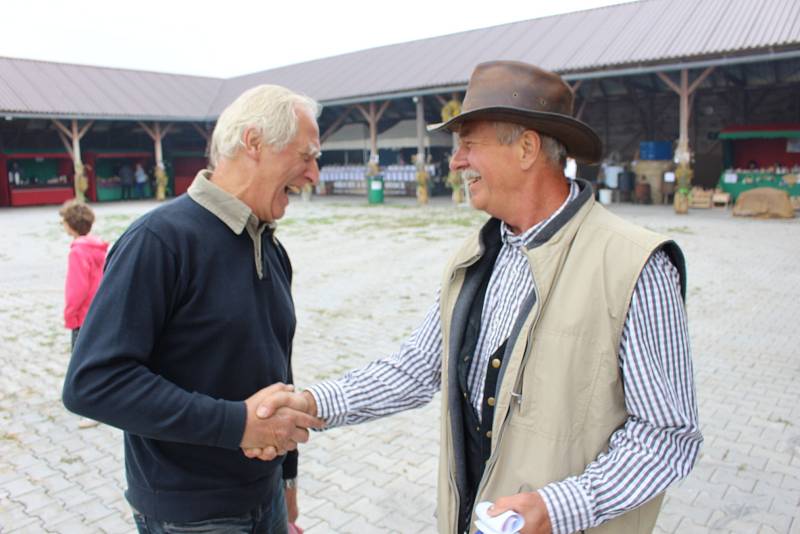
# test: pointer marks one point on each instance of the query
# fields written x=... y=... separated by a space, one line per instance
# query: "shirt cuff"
x=331 y=402
x=233 y=424
x=567 y=505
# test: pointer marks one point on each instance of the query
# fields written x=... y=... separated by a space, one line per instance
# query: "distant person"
x=15 y=174
x=752 y=165
x=87 y=254
x=141 y=179
x=126 y=180
x=85 y=265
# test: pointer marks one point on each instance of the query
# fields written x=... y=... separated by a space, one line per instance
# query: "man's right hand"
x=281 y=423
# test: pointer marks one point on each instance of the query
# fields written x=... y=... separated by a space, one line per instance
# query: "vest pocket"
x=558 y=384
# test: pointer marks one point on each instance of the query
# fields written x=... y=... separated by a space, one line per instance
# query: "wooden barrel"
x=642 y=193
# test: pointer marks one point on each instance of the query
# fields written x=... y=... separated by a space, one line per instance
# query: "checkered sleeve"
x=404 y=380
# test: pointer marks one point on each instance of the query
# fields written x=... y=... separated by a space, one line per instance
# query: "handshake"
x=278 y=418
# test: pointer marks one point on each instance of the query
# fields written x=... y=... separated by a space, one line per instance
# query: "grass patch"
x=781 y=420
x=10 y=436
x=680 y=230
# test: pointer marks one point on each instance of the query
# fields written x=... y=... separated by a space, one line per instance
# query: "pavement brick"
x=53 y=515
x=18 y=487
x=72 y=525
x=381 y=476
x=334 y=516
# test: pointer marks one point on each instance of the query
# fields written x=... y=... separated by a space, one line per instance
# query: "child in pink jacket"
x=87 y=254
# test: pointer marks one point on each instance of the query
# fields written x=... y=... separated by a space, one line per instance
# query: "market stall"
x=761 y=156
x=103 y=169
x=35 y=178
x=399 y=180
x=185 y=166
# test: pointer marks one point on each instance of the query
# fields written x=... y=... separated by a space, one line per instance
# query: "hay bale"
x=764 y=202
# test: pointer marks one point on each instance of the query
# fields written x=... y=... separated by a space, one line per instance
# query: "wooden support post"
x=422 y=175
x=71 y=137
x=684 y=91
x=588 y=92
x=684 y=173
x=373 y=116
x=420 y=108
x=157 y=134
x=206 y=135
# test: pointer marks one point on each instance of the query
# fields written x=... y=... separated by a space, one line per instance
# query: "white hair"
x=509 y=132
x=270 y=109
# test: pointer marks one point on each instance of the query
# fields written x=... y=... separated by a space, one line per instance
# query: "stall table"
x=736 y=183
x=37 y=196
x=33 y=178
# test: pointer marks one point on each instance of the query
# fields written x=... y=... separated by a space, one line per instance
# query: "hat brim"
x=580 y=140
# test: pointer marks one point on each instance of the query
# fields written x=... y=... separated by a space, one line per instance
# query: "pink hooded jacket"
x=85 y=269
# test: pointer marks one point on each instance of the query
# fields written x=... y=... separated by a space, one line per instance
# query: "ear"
x=251 y=143
x=530 y=146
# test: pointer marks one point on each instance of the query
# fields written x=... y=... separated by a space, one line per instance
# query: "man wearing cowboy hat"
x=558 y=338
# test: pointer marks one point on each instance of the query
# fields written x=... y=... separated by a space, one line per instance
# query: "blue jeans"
x=269 y=518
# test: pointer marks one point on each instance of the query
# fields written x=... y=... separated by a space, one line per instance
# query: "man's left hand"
x=291 y=503
x=532 y=509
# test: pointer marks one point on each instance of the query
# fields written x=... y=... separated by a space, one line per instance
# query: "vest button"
x=465 y=395
x=496 y=363
x=489 y=434
x=490 y=401
x=477 y=429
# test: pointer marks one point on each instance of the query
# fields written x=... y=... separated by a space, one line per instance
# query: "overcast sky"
x=226 y=38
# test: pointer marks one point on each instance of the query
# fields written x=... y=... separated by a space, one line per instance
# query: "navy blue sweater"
x=181 y=331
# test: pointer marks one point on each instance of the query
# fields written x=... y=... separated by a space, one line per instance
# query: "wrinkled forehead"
x=468 y=128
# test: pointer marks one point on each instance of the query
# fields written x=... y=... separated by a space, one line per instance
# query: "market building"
x=658 y=80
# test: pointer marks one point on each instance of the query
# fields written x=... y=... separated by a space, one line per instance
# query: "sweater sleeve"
x=76 y=289
x=110 y=377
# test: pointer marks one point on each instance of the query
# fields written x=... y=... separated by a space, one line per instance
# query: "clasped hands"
x=278 y=418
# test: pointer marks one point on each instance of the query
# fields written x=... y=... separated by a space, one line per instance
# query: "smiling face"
x=490 y=168
x=289 y=169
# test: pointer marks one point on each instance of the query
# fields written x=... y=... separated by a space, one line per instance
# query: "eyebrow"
x=313 y=150
x=464 y=131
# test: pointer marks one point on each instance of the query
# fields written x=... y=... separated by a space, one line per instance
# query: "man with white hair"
x=192 y=329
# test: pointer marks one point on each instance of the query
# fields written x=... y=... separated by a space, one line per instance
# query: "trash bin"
x=375 y=189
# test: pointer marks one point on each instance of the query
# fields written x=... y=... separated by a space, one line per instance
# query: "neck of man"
x=232 y=176
x=544 y=193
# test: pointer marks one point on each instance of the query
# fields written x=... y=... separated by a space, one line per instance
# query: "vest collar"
x=491 y=230
x=585 y=194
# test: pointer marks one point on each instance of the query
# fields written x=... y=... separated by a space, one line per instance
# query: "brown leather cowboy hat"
x=512 y=91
